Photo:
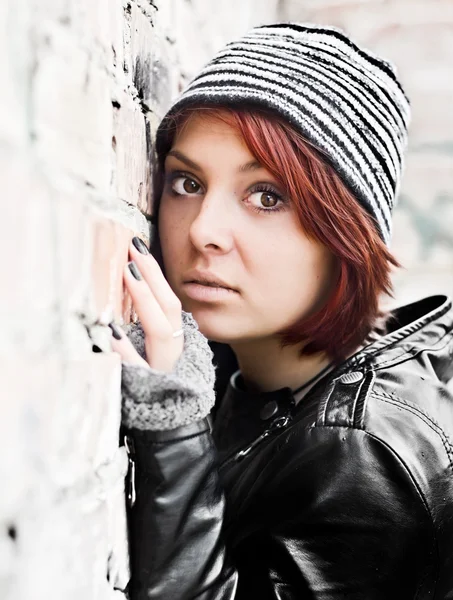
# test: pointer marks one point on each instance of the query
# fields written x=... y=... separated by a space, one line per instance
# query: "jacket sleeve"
x=335 y=515
x=175 y=524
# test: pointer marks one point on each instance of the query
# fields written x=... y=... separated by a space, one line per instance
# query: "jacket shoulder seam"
x=434 y=560
x=415 y=410
x=421 y=497
x=392 y=451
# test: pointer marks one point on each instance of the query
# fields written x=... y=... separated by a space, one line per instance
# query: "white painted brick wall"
x=84 y=83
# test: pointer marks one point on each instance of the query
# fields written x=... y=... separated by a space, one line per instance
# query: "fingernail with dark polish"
x=116 y=331
x=140 y=245
x=134 y=270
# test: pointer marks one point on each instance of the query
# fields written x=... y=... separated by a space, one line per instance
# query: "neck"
x=266 y=367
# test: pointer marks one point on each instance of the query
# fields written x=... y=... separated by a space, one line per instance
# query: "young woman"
x=325 y=469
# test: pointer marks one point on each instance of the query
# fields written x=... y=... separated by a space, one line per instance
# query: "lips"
x=209 y=284
x=208 y=279
x=209 y=293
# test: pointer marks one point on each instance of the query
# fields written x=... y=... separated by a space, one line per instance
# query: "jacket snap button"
x=269 y=410
x=353 y=377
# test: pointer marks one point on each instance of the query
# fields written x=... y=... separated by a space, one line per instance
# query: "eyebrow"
x=250 y=166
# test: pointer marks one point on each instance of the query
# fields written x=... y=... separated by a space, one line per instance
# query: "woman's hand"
x=158 y=309
x=166 y=381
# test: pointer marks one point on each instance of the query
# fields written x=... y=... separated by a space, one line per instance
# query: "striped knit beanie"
x=345 y=100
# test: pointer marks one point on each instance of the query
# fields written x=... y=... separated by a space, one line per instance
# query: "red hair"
x=328 y=212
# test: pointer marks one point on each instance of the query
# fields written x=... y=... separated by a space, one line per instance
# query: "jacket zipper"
x=275 y=425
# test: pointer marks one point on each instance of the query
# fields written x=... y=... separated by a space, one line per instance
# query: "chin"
x=212 y=324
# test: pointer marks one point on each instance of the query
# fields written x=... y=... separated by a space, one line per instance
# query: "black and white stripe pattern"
x=344 y=99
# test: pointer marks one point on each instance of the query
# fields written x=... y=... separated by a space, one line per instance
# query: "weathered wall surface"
x=417 y=36
x=83 y=84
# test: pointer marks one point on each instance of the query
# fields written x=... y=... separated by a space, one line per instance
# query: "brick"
x=72 y=111
x=142 y=55
x=78 y=527
x=164 y=16
x=73 y=430
x=22 y=473
x=150 y=63
x=109 y=257
x=86 y=421
x=109 y=246
x=193 y=49
x=14 y=66
x=116 y=20
x=74 y=229
x=131 y=146
x=97 y=26
x=100 y=21
x=116 y=537
x=27 y=304
x=22 y=429
x=79 y=265
x=65 y=478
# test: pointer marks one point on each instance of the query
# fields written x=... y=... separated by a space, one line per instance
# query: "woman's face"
x=224 y=214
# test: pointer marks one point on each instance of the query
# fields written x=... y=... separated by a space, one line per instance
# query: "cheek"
x=297 y=277
x=170 y=239
x=322 y=276
x=171 y=229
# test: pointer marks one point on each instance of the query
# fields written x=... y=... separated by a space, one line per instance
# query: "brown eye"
x=268 y=200
x=190 y=186
x=184 y=186
x=264 y=199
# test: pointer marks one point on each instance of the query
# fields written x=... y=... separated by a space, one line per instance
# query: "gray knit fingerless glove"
x=155 y=400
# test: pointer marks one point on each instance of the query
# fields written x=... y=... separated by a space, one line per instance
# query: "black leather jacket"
x=349 y=494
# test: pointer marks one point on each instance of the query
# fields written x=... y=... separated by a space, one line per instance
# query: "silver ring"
x=178 y=333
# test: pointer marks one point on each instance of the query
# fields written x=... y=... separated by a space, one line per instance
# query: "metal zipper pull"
x=278 y=423
x=243 y=453
x=130 y=449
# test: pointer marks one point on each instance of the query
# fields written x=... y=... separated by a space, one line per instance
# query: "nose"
x=211 y=228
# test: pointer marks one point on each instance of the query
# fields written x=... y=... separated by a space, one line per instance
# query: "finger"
x=152 y=318
x=161 y=289
x=122 y=345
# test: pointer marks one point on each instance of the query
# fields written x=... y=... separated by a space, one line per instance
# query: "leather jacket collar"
x=411 y=329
